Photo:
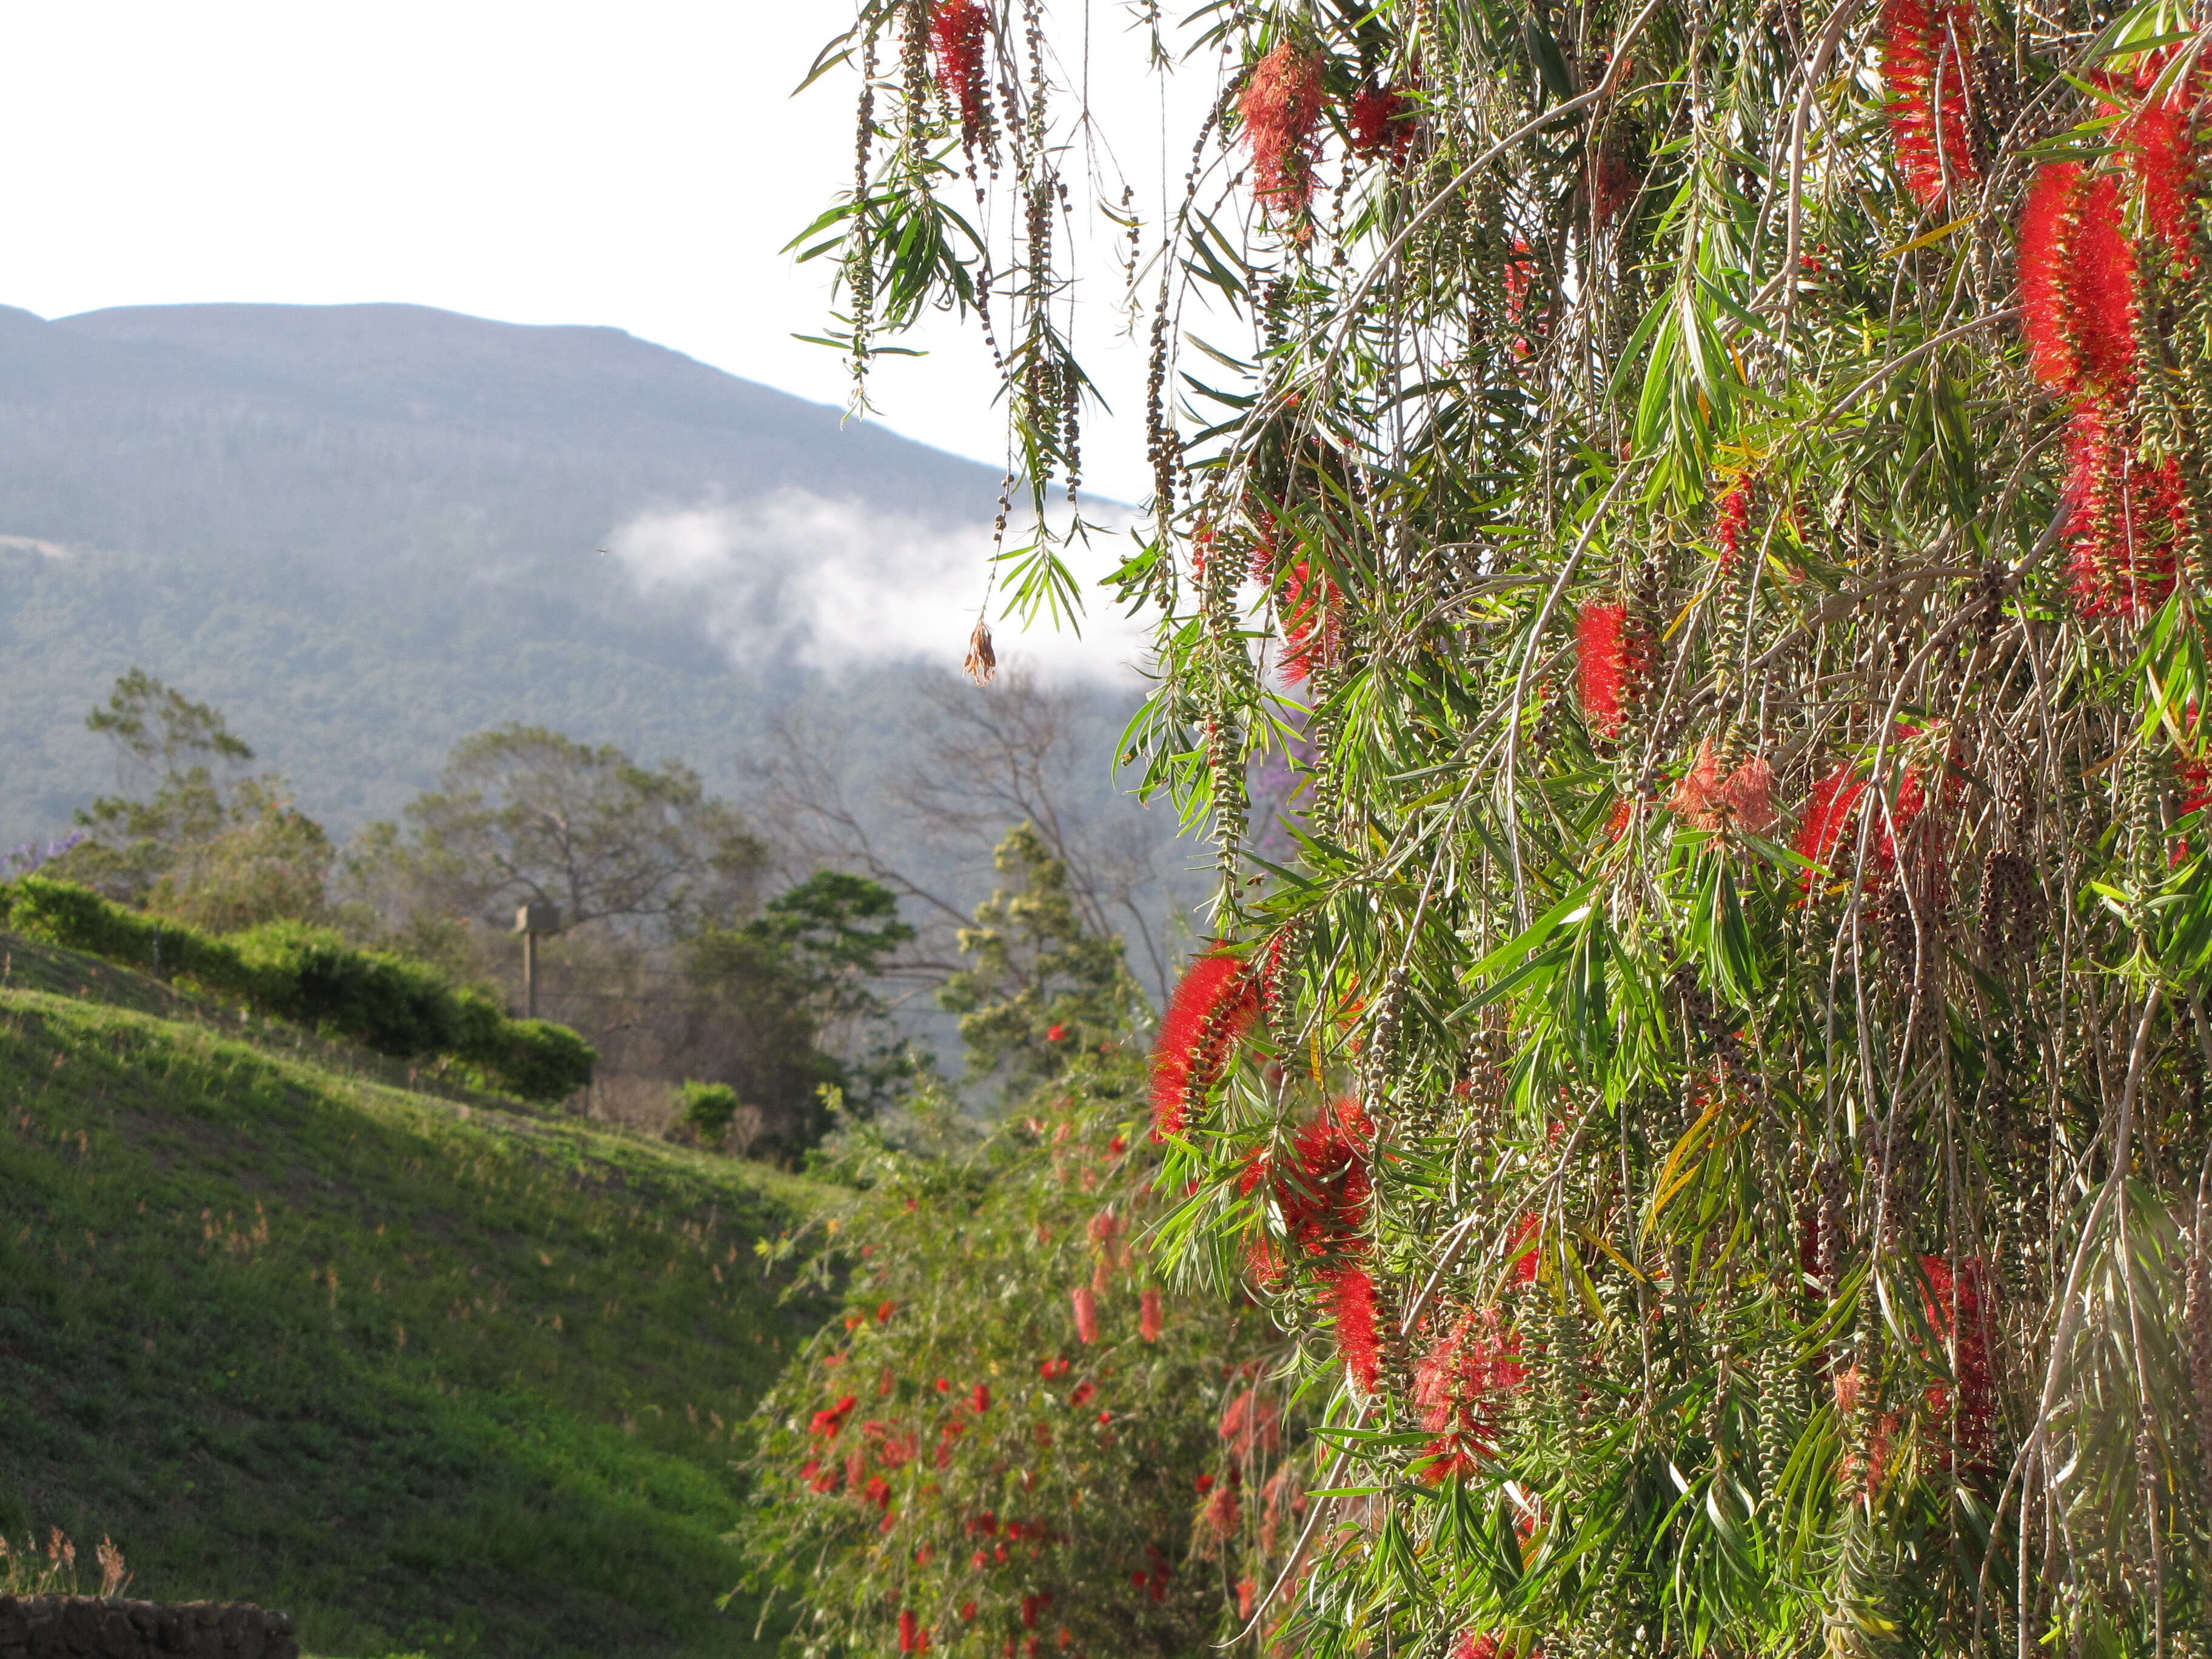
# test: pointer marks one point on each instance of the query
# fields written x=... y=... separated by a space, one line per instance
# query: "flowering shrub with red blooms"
x=1609 y=656
x=1213 y=1007
x=1281 y=109
x=1020 y=1473
x=1925 y=49
x=958 y=31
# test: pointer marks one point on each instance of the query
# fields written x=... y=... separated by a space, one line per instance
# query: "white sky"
x=638 y=165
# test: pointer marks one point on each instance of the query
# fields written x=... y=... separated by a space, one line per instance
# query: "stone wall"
x=93 y=1627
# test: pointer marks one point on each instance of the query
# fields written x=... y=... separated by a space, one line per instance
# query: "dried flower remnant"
x=1281 y=109
x=1214 y=1006
x=957 y=29
x=1925 y=51
x=982 y=663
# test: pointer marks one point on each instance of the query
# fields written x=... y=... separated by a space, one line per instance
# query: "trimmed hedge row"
x=313 y=977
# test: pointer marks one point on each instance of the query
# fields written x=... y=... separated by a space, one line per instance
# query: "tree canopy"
x=1713 y=503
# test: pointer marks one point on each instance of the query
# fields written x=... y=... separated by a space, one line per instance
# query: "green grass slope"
x=430 y=1372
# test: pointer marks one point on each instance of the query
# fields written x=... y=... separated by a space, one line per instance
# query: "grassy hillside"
x=431 y=1372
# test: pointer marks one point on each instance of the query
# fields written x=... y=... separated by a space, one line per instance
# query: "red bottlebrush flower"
x=885 y=1309
x=1311 y=623
x=1252 y=1421
x=1148 y=1314
x=1086 y=1314
x=1743 y=798
x=1056 y=1034
x=2195 y=779
x=1223 y=1512
x=1459 y=1386
x=1084 y=1392
x=909 y=1631
x=1205 y=1485
x=829 y=1422
x=968 y=1613
x=1247 y=1592
x=1728 y=526
x=1612 y=181
x=1525 y=1251
x=1321 y=1190
x=1956 y=1303
x=1032 y=1606
x=1381 y=120
x=1281 y=108
x=1053 y=1370
x=1212 y=1009
x=956 y=29
x=1828 y=813
x=877 y=1492
x=2077 y=281
x=1611 y=656
x=2164 y=162
x=980 y=1399
x=2125 y=519
x=1352 y=1300
x=1925 y=50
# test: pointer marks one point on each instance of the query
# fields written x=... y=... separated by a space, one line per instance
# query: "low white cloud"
x=837 y=585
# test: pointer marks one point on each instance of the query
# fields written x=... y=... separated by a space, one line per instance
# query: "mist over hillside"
x=367 y=531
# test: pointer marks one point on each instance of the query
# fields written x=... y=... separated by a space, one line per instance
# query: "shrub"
x=313 y=977
x=709 y=1108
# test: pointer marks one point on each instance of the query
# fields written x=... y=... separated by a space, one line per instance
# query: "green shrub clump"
x=709 y=1108
x=313 y=977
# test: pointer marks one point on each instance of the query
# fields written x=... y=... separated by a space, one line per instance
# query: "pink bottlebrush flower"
x=1252 y=1421
x=1247 y=1591
x=1086 y=1314
x=1381 y=120
x=1281 y=109
x=1925 y=50
x=1708 y=799
x=1351 y=1298
x=1212 y=1008
x=1148 y=1313
x=956 y=31
x=1610 y=656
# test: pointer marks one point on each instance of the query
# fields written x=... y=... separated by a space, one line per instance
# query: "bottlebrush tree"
x=1715 y=499
x=1016 y=1439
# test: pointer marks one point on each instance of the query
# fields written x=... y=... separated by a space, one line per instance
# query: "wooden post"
x=530 y=921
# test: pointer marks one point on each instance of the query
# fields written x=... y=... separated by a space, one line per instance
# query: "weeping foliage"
x=1748 y=688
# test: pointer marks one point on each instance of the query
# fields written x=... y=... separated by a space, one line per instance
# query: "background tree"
x=196 y=838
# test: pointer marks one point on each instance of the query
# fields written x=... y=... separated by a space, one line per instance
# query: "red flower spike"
x=1311 y=623
x=1610 y=657
x=1148 y=1314
x=1380 y=119
x=1352 y=1300
x=1925 y=49
x=1828 y=814
x=2164 y=162
x=830 y=1423
x=2125 y=520
x=1223 y=1512
x=980 y=1399
x=909 y=1631
x=956 y=29
x=1459 y=1386
x=1212 y=1009
x=1957 y=1306
x=1247 y=1591
x=1086 y=1314
x=2077 y=281
x=1729 y=527
x=1281 y=108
